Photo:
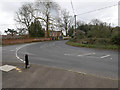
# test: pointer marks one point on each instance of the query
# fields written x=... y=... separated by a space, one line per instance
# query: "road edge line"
x=17 y=49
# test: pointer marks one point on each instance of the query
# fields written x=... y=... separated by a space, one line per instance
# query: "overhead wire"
x=72 y=7
x=97 y=9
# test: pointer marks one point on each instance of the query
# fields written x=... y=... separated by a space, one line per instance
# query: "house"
x=55 y=35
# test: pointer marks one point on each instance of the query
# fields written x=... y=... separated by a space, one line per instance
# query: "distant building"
x=55 y=35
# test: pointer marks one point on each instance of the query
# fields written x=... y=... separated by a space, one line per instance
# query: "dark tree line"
x=96 y=30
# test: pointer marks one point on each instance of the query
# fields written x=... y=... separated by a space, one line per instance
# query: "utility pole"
x=75 y=26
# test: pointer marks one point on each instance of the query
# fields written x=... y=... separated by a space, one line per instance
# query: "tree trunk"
x=66 y=33
x=47 y=26
x=66 y=30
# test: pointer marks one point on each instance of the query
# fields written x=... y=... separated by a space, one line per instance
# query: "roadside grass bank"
x=109 y=47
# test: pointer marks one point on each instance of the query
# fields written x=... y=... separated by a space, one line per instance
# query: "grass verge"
x=109 y=47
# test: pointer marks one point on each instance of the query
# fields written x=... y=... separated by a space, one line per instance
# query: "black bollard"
x=26 y=61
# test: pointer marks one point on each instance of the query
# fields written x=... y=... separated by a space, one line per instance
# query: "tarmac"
x=40 y=76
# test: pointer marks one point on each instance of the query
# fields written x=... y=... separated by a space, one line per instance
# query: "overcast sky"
x=109 y=15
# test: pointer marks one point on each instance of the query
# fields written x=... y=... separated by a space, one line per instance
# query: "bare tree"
x=66 y=21
x=96 y=22
x=47 y=11
x=24 y=16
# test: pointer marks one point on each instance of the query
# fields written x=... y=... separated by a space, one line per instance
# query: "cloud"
x=7 y=13
x=119 y=14
x=110 y=15
x=87 y=0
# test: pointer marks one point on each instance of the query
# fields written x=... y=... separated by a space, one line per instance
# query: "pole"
x=75 y=24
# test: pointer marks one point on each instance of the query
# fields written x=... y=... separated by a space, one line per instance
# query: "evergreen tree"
x=36 y=29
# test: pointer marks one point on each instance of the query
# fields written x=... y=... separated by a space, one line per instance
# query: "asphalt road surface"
x=103 y=63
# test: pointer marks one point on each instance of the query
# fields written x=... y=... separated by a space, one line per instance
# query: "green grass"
x=109 y=47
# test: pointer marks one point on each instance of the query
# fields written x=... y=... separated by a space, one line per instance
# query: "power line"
x=98 y=9
x=72 y=7
x=74 y=16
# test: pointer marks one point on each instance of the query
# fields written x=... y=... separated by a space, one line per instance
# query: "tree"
x=84 y=27
x=24 y=17
x=11 y=31
x=115 y=36
x=36 y=29
x=66 y=18
x=71 y=31
x=22 y=31
x=95 y=22
x=46 y=10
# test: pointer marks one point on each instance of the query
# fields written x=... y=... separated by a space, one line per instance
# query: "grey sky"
x=110 y=15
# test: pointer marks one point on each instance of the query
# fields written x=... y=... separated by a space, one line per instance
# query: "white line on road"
x=67 y=54
x=86 y=54
x=105 y=56
x=17 y=49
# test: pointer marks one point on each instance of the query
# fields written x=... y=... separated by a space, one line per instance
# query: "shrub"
x=103 y=41
x=98 y=41
x=80 y=35
x=98 y=34
x=73 y=39
x=115 y=39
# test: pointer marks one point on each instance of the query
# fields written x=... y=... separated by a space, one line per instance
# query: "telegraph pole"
x=75 y=25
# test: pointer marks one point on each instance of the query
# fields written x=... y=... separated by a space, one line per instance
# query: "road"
x=103 y=63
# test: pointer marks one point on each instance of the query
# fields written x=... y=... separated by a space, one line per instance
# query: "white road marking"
x=86 y=54
x=17 y=49
x=105 y=56
x=67 y=54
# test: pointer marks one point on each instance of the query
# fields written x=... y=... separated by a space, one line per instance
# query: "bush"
x=103 y=41
x=115 y=39
x=111 y=47
x=91 y=40
x=98 y=34
x=80 y=35
x=98 y=41
x=73 y=39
